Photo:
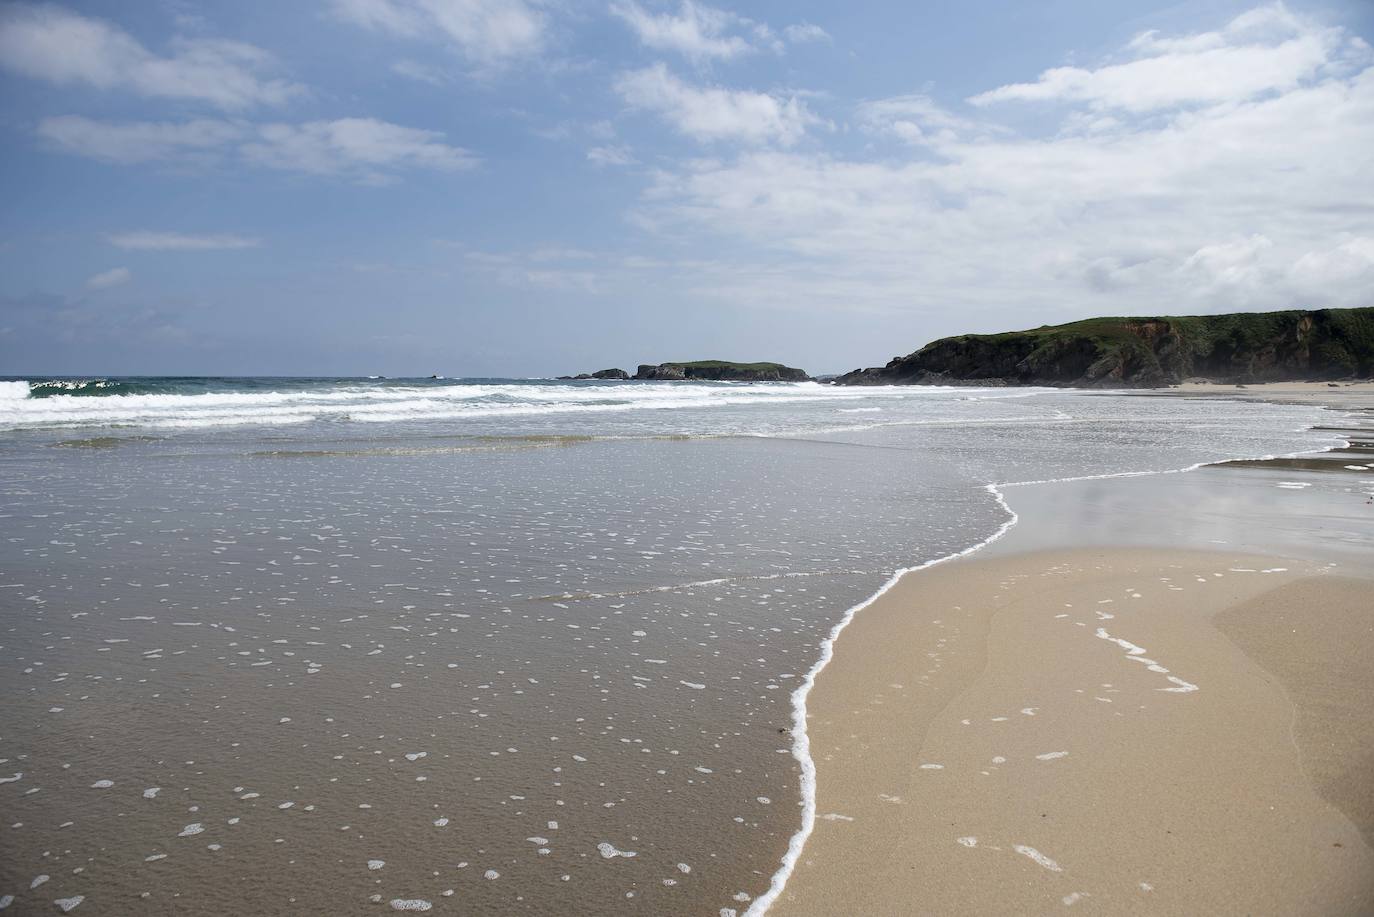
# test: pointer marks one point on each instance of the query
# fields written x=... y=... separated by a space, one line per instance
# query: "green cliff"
x=1109 y=352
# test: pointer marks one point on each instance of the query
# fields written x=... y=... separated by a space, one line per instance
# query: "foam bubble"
x=609 y=851
x=1038 y=857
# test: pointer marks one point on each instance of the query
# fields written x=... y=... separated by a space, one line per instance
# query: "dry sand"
x=1018 y=734
x=1333 y=394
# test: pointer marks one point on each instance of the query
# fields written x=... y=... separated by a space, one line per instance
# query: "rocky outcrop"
x=721 y=371
x=1111 y=352
x=601 y=374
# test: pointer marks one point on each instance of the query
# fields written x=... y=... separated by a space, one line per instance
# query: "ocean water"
x=476 y=646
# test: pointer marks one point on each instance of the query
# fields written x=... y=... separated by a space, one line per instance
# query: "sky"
x=537 y=187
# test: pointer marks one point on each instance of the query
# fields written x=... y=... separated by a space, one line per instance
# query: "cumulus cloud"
x=697 y=31
x=66 y=48
x=916 y=119
x=364 y=149
x=111 y=278
x=712 y=113
x=147 y=241
x=1255 y=203
x=486 y=32
x=703 y=33
x=1264 y=51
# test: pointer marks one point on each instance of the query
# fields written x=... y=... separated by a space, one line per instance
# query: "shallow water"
x=523 y=647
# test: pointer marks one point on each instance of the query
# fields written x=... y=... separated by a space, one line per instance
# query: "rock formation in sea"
x=711 y=370
x=601 y=374
x=722 y=370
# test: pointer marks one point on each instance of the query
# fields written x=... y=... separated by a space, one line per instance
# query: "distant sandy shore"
x=1334 y=394
x=1117 y=729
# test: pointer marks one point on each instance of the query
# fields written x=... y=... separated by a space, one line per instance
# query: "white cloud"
x=111 y=278
x=804 y=32
x=144 y=240
x=1258 y=203
x=1347 y=265
x=916 y=119
x=703 y=33
x=1267 y=50
x=1234 y=266
x=363 y=149
x=486 y=32
x=351 y=146
x=139 y=141
x=612 y=155
x=711 y=113
x=54 y=44
x=698 y=32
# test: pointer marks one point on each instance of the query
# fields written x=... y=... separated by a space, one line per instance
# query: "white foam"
x=609 y=852
x=1137 y=654
x=410 y=904
x=1038 y=857
x=386 y=404
x=67 y=905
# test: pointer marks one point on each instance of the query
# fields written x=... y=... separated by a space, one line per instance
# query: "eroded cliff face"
x=1110 y=352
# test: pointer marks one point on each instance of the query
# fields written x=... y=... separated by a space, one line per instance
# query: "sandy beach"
x=1142 y=709
x=1335 y=394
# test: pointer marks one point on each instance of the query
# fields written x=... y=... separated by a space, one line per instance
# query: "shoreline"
x=801 y=734
x=783 y=890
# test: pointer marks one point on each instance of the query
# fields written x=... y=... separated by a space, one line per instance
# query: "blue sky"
x=518 y=187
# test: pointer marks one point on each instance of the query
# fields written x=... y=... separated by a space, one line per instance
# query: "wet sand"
x=1137 y=701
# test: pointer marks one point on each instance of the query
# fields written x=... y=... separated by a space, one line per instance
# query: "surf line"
x=801 y=740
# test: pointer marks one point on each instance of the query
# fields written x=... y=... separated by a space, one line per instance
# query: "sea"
x=477 y=646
